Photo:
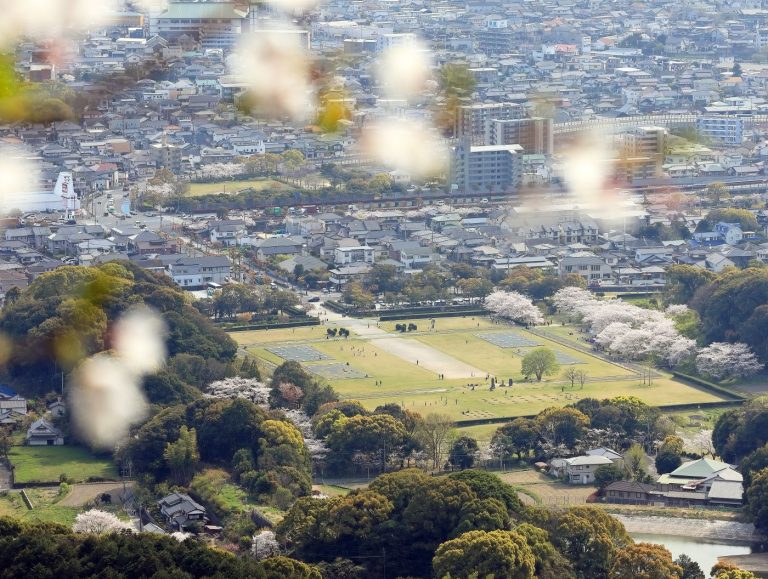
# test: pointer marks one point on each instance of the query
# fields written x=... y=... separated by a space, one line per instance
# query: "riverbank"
x=755 y=562
x=695 y=528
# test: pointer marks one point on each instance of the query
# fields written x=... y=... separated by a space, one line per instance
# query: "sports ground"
x=448 y=368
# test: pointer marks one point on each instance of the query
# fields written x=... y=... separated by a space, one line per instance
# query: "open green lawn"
x=198 y=189
x=47 y=463
x=420 y=389
x=256 y=337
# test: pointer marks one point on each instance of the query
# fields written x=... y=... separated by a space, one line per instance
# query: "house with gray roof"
x=578 y=469
x=43 y=433
x=180 y=510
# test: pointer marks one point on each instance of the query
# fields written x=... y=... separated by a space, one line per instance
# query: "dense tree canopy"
x=732 y=308
x=406 y=512
x=589 y=537
x=740 y=431
x=52 y=550
x=486 y=554
x=644 y=561
x=224 y=429
x=757 y=499
x=66 y=315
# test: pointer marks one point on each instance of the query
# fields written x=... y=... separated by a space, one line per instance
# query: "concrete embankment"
x=696 y=528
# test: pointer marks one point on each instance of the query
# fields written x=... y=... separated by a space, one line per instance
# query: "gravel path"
x=696 y=528
x=427 y=357
x=84 y=493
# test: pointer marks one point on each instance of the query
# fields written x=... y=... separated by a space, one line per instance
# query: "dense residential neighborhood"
x=345 y=290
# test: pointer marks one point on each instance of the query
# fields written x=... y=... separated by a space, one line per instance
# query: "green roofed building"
x=699 y=475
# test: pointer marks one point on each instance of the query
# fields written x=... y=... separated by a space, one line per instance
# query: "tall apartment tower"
x=473 y=122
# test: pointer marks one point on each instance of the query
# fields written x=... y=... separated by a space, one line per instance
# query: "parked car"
x=314 y=299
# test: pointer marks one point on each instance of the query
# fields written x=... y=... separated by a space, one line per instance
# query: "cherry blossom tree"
x=676 y=310
x=264 y=544
x=722 y=360
x=573 y=300
x=315 y=446
x=655 y=337
x=222 y=170
x=99 y=522
x=514 y=306
x=160 y=190
x=236 y=387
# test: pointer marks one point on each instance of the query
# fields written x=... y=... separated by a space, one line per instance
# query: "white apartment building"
x=214 y=24
x=355 y=254
x=191 y=272
x=486 y=169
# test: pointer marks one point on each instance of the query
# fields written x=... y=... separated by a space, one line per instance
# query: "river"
x=704 y=551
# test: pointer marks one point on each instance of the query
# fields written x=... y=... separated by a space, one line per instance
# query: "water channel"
x=704 y=551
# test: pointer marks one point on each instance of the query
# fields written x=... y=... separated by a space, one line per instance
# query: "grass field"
x=198 y=189
x=46 y=508
x=378 y=375
x=47 y=463
x=546 y=490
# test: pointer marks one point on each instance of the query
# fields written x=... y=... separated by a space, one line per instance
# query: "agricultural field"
x=46 y=463
x=543 y=489
x=448 y=368
x=198 y=189
x=46 y=502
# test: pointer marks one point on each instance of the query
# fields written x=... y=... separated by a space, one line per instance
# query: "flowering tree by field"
x=222 y=170
x=722 y=360
x=99 y=522
x=656 y=337
x=573 y=300
x=628 y=331
x=514 y=306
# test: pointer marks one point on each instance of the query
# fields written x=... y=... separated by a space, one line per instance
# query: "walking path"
x=427 y=357
x=407 y=349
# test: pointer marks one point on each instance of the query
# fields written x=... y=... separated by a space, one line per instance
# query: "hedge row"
x=424 y=315
x=711 y=386
x=276 y=326
x=667 y=407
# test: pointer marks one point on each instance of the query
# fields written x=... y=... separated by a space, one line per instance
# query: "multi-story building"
x=473 y=122
x=761 y=38
x=534 y=135
x=167 y=155
x=213 y=24
x=191 y=272
x=723 y=130
x=354 y=254
x=495 y=41
x=486 y=168
x=586 y=264
x=390 y=40
x=641 y=152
